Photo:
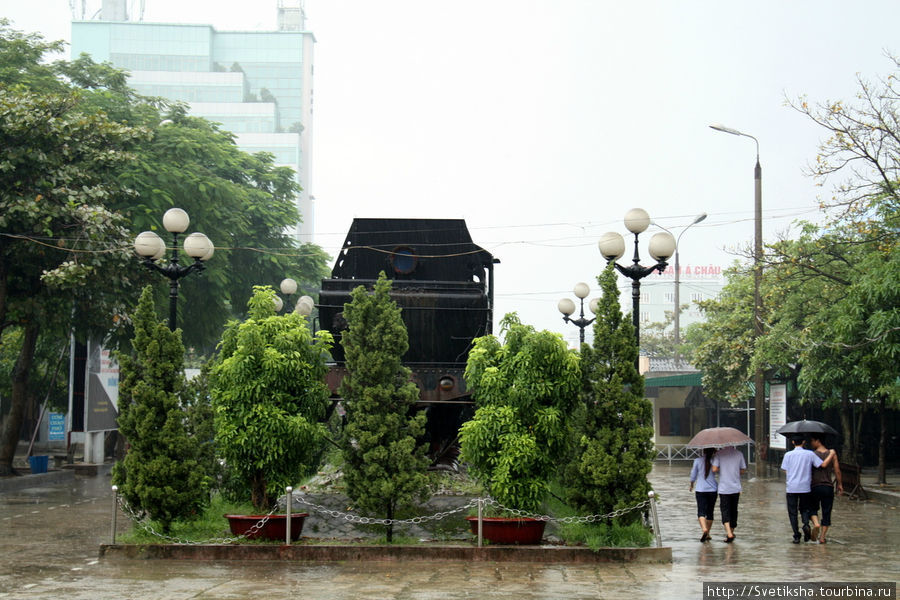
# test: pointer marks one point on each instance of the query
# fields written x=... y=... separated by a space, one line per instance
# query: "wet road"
x=50 y=538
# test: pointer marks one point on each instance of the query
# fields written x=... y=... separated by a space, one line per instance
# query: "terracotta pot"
x=502 y=530
x=274 y=529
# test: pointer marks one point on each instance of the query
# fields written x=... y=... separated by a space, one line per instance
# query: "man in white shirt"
x=798 y=465
x=729 y=463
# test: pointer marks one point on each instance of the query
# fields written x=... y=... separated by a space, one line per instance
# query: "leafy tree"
x=384 y=463
x=525 y=389
x=613 y=422
x=160 y=474
x=269 y=396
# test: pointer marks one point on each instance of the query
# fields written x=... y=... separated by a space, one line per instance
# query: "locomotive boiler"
x=444 y=284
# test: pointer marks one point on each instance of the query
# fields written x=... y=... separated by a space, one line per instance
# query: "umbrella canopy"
x=804 y=426
x=719 y=437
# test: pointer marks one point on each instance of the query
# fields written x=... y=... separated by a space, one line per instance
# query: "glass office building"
x=257 y=84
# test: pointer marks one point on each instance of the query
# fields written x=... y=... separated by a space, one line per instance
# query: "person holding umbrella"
x=798 y=465
x=706 y=490
x=822 y=486
x=730 y=465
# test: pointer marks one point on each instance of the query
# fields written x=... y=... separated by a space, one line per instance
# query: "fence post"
x=115 y=507
x=480 y=521
x=655 y=518
x=288 y=502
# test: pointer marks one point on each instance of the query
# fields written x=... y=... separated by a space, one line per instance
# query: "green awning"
x=687 y=379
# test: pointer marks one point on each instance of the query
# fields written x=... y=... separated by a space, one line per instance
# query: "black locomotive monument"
x=444 y=284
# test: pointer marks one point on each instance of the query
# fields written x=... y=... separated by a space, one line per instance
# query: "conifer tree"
x=613 y=427
x=385 y=466
x=160 y=474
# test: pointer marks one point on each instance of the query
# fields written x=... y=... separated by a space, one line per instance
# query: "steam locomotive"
x=444 y=284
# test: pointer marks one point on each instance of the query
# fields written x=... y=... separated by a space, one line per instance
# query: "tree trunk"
x=850 y=449
x=390 y=528
x=9 y=439
x=882 y=441
x=258 y=492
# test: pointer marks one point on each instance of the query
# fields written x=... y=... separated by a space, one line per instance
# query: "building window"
x=645 y=296
x=696 y=297
x=670 y=297
x=674 y=421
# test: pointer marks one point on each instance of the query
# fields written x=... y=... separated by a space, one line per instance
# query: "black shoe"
x=704 y=537
x=797 y=539
x=806 y=533
x=730 y=539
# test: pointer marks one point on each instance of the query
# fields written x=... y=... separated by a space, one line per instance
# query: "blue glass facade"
x=256 y=84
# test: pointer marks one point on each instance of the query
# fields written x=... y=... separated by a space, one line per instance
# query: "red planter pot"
x=501 y=530
x=274 y=529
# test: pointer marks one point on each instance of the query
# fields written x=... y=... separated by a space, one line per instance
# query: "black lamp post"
x=567 y=307
x=151 y=248
x=612 y=247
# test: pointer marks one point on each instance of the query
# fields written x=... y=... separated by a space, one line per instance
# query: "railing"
x=670 y=452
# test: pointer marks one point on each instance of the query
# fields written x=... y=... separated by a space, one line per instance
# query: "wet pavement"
x=51 y=534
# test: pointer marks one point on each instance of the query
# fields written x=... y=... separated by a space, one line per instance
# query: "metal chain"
x=142 y=522
x=585 y=519
x=374 y=521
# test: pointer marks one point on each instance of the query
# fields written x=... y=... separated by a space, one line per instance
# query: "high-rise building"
x=257 y=84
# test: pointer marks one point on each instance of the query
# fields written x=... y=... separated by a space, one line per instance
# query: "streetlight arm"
x=174 y=271
x=636 y=271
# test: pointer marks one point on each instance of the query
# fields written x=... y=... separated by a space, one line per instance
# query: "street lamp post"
x=567 y=307
x=612 y=247
x=758 y=383
x=288 y=287
x=677 y=314
x=151 y=248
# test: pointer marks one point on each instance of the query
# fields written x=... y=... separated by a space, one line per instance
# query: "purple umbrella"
x=719 y=437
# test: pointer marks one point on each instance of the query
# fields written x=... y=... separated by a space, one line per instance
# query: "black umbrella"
x=804 y=426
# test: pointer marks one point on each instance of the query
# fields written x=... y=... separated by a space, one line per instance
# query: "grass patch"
x=595 y=535
x=209 y=525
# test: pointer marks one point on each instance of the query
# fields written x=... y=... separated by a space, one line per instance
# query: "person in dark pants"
x=798 y=465
x=706 y=490
x=822 y=487
x=730 y=465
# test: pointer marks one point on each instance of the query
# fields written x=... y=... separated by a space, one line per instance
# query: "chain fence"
x=142 y=521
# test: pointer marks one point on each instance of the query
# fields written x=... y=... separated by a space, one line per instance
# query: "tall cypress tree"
x=613 y=450
x=384 y=465
x=160 y=474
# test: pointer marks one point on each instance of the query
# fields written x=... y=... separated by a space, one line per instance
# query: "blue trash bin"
x=38 y=464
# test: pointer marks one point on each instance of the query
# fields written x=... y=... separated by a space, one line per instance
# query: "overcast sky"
x=542 y=122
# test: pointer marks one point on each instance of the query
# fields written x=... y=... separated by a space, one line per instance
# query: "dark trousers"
x=798 y=503
x=822 y=495
x=728 y=505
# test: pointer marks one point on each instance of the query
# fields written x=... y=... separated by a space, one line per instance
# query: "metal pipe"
x=653 y=513
x=115 y=512
x=288 y=504
x=480 y=520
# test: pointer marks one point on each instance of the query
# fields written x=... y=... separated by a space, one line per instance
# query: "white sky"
x=541 y=122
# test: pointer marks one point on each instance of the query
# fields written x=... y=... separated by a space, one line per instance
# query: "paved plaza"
x=51 y=536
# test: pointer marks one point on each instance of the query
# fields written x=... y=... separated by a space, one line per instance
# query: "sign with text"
x=777 y=414
x=56 y=427
x=101 y=389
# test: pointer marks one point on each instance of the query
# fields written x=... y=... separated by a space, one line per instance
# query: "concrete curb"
x=334 y=553
x=882 y=496
x=21 y=482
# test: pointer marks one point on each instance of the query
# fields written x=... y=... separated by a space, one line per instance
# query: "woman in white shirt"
x=705 y=490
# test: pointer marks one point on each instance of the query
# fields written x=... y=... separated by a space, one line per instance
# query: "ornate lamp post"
x=151 y=248
x=759 y=401
x=612 y=247
x=677 y=323
x=567 y=307
x=288 y=287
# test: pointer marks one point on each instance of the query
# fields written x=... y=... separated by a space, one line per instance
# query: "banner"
x=777 y=415
x=101 y=389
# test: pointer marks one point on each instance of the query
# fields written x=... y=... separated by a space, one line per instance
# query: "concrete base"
x=14 y=484
x=333 y=553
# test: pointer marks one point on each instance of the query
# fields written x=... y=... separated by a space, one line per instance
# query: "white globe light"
x=594 y=305
x=197 y=245
x=611 y=245
x=209 y=253
x=304 y=306
x=662 y=246
x=288 y=286
x=566 y=306
x=176 y=220
x=637 y=220
x=279 y=303
x=582 y=290
x=147 y=244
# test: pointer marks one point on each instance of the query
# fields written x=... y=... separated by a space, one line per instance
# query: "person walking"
x=822 y=487
x=730 y=465
x=798 y=465
x=705 y=490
